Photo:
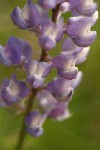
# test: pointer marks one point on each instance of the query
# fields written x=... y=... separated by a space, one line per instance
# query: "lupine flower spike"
x=52 y=98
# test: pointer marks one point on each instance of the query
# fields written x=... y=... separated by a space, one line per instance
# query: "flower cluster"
x=52 y=98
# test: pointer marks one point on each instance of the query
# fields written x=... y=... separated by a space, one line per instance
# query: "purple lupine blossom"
x=37 y=71
x=56 y=109
x=15 y=52
x=61 y=89
x=79 y=29
x=60 y=112
x=34 y=122
x=50 y=34
x=53 y=97
x=28 y=17
x=46 y=100
x=12 y=91
x=71 y=48
x=66 y=68
x=83 y=7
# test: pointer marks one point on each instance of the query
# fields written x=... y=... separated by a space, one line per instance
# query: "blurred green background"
x=82 y=130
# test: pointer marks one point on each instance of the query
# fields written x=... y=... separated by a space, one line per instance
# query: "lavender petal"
x=18 y=19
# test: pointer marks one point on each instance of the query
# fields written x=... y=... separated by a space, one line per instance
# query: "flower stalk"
x=22 y=134
x=55 y=12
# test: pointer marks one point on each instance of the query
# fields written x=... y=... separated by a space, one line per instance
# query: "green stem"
x=23 y=131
